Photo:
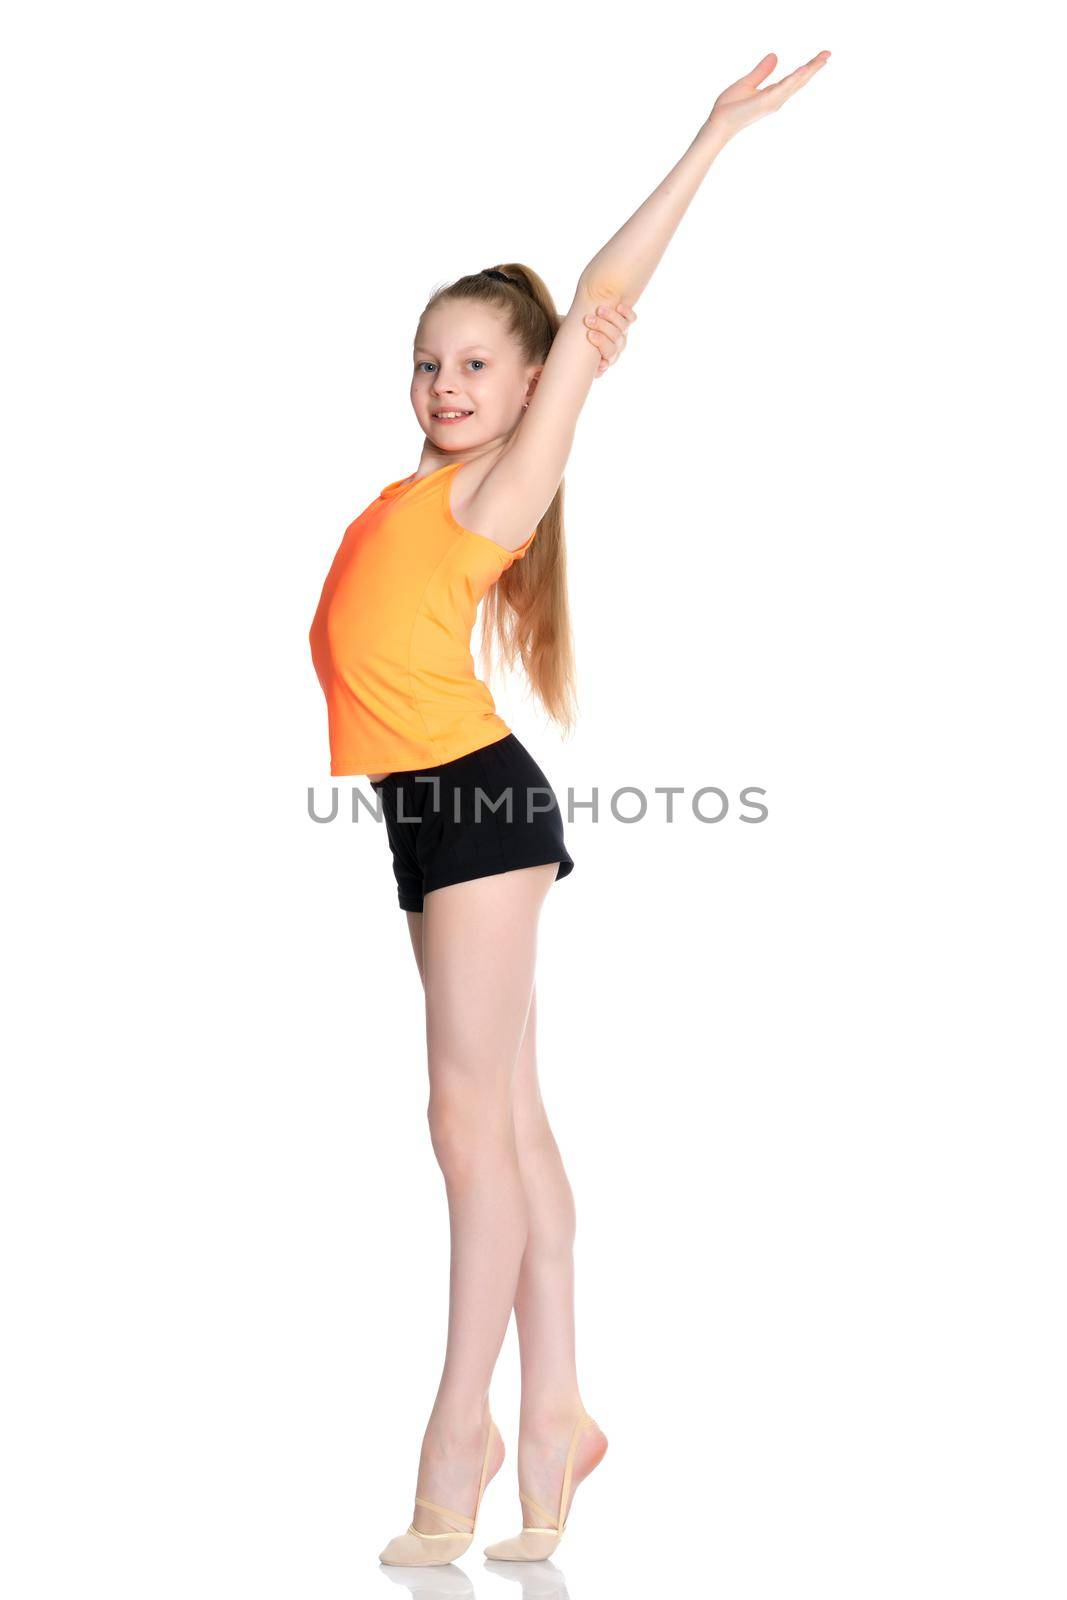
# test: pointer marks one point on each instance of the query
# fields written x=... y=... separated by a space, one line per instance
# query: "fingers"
x=621 y=315
x=753 y=79
x=611 y=320
x=796 y=79
x=607 y=329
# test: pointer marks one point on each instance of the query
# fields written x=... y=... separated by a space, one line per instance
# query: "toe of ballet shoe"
x=408 y=1550
x=532 y=1544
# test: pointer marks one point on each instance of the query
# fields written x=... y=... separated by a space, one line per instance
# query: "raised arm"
x=520 y=486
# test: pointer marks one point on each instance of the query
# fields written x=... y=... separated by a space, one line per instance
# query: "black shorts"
x=489 y=811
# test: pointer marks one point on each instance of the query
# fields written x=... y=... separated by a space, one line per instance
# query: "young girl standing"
x=474 y=827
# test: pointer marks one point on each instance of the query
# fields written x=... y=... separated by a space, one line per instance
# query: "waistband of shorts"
x=445 y=769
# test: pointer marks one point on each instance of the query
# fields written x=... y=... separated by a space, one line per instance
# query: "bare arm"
x=519 y=488
x=622 y=269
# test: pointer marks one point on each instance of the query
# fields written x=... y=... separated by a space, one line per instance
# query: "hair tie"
x=491 y=272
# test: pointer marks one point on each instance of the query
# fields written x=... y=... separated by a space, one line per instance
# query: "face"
x=465 y=360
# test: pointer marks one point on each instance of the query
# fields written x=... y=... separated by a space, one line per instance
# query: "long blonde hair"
x=525 y=614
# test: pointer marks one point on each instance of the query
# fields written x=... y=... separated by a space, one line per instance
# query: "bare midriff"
x=376 y=777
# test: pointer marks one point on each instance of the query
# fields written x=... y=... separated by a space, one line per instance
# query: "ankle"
x=456 y=1427
x=547 y=1414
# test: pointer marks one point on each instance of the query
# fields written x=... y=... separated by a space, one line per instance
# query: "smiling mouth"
x=450 y=415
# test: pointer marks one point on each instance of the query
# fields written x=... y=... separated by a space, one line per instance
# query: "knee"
x=463 y=1126
x=533 y=1135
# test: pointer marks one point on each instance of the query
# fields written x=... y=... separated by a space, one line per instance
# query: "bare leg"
x=544 y=1301
x=544 y=1298
x=478 y=954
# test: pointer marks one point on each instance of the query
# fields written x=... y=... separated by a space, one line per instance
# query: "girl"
x=473 y=824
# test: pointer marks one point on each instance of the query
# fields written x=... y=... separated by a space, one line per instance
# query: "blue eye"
x=476 y=359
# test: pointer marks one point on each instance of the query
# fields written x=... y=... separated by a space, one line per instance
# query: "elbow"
x=598 y=290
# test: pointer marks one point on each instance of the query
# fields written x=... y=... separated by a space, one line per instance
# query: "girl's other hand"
x=607 y=329
x=744 y=102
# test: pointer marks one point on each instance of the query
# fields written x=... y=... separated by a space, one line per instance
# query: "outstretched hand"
x=744 y=101
x=607 y=329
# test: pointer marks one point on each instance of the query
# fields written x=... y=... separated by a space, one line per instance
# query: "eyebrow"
x=427 y=351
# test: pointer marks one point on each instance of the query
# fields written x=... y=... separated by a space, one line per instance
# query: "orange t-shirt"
x=392 y=634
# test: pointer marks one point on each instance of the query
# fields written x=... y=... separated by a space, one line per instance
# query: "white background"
x=806 y=1076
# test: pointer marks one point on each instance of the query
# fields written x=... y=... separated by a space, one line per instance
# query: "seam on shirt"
x=434 y=743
